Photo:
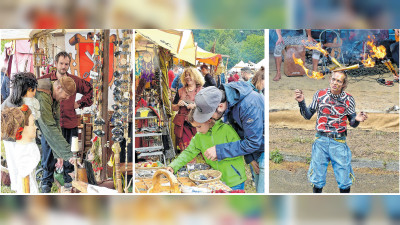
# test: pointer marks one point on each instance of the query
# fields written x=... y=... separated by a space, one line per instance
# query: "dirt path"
x=290 y=177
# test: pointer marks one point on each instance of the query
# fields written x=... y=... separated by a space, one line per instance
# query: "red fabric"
x=85 y=64
x=188 y=133
x=68 y=118
x=171 y=77
x=231 y=79
x=236 y=77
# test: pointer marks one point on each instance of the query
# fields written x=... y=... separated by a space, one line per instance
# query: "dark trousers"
x=49 y=162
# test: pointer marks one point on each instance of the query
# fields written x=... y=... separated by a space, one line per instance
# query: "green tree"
x=246 y=45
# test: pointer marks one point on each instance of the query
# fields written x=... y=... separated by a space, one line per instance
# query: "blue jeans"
x=259 y=178
x=238 y=187
x=49 y=165
x=336 y=151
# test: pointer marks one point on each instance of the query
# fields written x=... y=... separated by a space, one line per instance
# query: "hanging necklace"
x=187 y=89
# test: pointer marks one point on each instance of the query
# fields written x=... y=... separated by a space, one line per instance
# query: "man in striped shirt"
x=334 y=108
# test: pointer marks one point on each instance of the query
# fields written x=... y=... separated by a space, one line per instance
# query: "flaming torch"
x=315 y=75
x=379 y=52
x=323 y=51
x=366 y=63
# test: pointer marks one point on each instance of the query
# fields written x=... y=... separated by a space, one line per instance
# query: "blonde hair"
x=195 y=74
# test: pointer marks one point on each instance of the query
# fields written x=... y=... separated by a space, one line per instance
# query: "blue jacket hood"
x=236 y=91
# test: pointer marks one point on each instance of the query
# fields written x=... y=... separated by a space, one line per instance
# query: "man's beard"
x=219 y=113
x=62 y=73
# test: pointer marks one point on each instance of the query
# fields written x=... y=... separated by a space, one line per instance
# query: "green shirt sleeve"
x=50 y=128
x=186 y=156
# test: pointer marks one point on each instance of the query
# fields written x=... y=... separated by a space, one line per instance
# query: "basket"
x=157 y=182
x=213 y=173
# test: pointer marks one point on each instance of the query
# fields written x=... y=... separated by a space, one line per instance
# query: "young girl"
x=18 y=131
x=23 y=92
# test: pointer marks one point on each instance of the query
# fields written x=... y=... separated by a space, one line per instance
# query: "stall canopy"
x=208 y=57
x=261 y=63
x=181 y=44
x=240 y=65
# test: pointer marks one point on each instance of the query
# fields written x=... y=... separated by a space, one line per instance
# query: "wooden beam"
x=104 y=104
x=37 y=67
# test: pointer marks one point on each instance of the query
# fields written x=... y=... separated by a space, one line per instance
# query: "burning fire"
x=368 y=62
x=317 y=47
x=378 y=52
x=315 y=75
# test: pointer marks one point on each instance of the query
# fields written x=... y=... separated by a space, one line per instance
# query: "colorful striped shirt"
x=333 y=111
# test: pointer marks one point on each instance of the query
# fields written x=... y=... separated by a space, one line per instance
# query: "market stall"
x=103 y=58
x=157 y=51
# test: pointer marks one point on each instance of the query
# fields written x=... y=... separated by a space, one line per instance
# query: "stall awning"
x=208 y=57
x=181 y=44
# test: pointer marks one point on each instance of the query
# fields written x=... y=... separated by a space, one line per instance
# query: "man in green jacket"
x=50 y=94
x=211 y=133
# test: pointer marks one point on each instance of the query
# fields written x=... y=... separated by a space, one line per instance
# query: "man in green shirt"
x=55 y=148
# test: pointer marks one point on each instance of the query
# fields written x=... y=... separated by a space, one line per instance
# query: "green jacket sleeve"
x=51 y=129
x=231 y=134
x=186 y=156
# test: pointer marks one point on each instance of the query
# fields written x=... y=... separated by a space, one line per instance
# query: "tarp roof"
x=181 y=44
x=241 y=64
x=208 y=57
x=261 y=63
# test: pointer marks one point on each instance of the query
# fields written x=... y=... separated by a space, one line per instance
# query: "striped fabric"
x=333 y=110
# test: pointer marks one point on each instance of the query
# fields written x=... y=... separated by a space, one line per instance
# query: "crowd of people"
x=47 y=103
x=223 y=122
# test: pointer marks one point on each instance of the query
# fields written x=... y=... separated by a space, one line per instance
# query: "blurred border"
x=190 y=14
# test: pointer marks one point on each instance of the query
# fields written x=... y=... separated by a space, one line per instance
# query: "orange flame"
x=317 y=47
x=378 y=52
x=368 y=62
x=315 y=75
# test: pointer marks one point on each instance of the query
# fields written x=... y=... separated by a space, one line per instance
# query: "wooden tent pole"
x=104 y=104
x=37 y=67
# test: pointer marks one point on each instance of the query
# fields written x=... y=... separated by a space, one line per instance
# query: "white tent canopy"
x=261 y=63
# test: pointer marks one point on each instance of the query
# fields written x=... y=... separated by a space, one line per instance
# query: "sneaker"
x=68 y=185
x=46 y=188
